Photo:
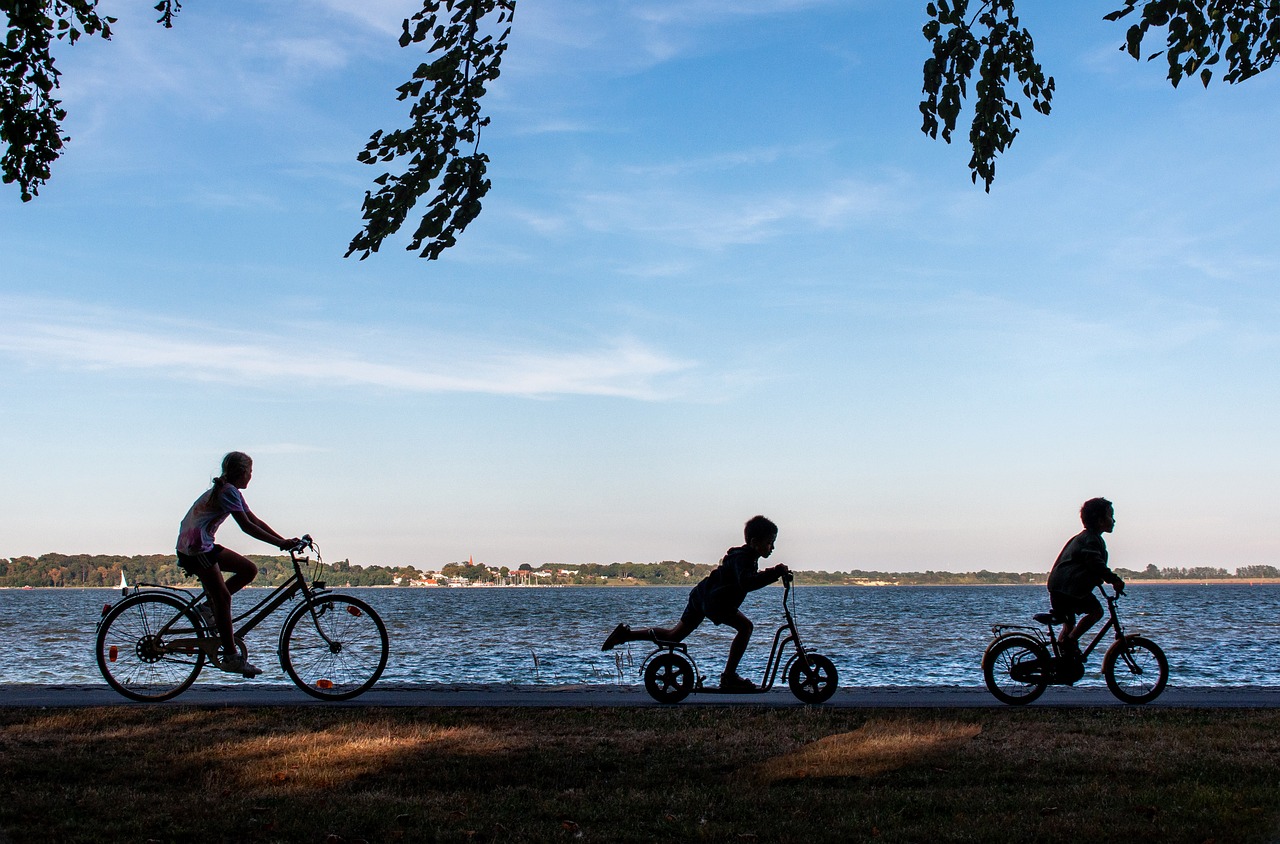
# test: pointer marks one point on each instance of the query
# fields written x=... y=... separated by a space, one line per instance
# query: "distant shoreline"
x=1226 y=581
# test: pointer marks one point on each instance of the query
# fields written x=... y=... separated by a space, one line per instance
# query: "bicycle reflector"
x=354 y=610
x=106 y=608
x=113 y=653
x=324 y=684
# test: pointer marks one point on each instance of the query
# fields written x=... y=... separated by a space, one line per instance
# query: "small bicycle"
x=671 y=675
x=1022 y=661
x=153 y=643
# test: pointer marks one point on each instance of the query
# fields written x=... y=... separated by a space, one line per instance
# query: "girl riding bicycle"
x=201 y=557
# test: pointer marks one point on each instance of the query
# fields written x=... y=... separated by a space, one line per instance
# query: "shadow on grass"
x=678 y=774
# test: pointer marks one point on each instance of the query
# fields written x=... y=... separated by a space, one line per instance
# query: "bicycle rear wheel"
x=135 y=647
x=336 y=652
x=1015 y=669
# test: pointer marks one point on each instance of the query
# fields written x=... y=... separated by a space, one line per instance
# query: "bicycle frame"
x=1050 y=639
x=256 y=614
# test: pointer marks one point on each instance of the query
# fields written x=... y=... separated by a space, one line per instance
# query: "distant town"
x=97 y=570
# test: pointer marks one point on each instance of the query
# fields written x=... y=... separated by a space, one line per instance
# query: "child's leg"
x=219 y=598
x=1086 y=621
x=744 y=627
x=243 y=570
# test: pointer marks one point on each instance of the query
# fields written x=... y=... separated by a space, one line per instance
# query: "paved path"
x=279 y=694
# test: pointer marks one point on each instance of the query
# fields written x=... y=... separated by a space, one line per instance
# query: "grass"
x=335 y=776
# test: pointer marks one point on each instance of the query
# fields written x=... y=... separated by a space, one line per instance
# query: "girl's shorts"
x=197 y=564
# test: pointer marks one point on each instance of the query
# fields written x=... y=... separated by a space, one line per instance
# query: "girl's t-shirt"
x=202 y=521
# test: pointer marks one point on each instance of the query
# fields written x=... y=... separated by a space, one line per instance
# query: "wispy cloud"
x=92 y=340
x=712 y=219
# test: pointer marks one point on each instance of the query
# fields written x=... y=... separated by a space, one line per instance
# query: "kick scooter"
x=671 y=675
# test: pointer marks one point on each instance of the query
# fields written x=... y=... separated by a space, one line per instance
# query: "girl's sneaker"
x=236 y=664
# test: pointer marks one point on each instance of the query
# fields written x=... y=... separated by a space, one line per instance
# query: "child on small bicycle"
x=1081 y=567
x=718 y=597
x=201 y=557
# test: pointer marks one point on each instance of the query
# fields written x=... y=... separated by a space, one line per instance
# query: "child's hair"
x=758 y=527
x=1093 y=510
x=235 y=460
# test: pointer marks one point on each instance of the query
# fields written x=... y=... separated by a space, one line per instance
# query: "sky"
x=720 y=272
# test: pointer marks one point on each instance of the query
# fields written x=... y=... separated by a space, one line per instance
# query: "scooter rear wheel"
x=668 y=678
x=813 y=679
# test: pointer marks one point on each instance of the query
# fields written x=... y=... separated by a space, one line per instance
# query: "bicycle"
x=671 y=675
x=152 y=644
x=1022 y=661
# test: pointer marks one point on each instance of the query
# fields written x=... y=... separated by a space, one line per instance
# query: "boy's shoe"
x=617 y=637
x=1070 y=648
x=236 y=664
x=206 y=615
x=734 y=683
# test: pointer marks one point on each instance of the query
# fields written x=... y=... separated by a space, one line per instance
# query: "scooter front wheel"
x=813 y=678
x=668 y=678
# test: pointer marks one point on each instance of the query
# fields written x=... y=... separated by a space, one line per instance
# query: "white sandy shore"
x=923 y=697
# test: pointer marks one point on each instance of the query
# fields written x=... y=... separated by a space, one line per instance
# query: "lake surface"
x=1214 y=635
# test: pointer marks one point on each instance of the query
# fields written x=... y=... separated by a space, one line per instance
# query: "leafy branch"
x=443 y=141
x=993 y=42
x=1201 y=33
x=30 y=115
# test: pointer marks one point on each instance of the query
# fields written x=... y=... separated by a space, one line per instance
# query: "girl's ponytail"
x=233 y=461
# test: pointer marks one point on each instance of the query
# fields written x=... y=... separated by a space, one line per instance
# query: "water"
x=1224 y=635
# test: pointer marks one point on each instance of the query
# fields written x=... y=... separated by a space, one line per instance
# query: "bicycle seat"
x=1047 y=618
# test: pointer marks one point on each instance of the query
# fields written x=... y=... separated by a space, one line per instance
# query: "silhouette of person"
x=1080 y=568
x=718 y=597
x=201 y=557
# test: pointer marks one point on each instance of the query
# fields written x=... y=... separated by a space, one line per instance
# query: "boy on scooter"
x=718 y=597
x=1079 y=569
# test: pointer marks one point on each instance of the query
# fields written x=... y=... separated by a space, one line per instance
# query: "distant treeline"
x=104 y=570
x=79 y=570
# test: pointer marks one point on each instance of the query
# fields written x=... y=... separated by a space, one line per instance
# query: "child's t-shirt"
x=202 y=521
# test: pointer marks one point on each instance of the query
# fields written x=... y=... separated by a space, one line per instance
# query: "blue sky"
x=720 y=272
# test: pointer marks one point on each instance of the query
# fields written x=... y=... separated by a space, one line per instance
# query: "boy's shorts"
x=197 y=564
x=1064 y=605
x=696 y=609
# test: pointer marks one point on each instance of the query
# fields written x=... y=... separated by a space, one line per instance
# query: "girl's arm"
x=259 y=529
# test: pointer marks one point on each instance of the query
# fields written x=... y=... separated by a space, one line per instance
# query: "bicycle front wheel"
x=334 y=648
x=1136 y=670
x=139 y=652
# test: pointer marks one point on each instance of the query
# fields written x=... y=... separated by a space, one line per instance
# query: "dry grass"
x=681 y=774
x=881 y=745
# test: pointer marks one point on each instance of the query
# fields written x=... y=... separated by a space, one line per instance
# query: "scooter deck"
x=716 y=690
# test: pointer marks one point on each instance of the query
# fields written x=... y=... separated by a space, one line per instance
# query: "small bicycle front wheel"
x=813 y=679
x=334 y=647
x=1015 y=669
x=136 y=652
x=668 y=678
x=1136 y=670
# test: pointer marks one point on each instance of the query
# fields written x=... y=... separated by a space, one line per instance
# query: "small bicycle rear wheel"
x=336 y=653
x=1136 y=670
x=668 y=678
x=813 y=679
x=134 y=647
x=1015 y=669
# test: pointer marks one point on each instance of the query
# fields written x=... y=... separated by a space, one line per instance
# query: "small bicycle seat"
x=1047 y=618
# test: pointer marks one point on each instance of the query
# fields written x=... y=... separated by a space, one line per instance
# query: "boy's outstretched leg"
x=622 y=634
